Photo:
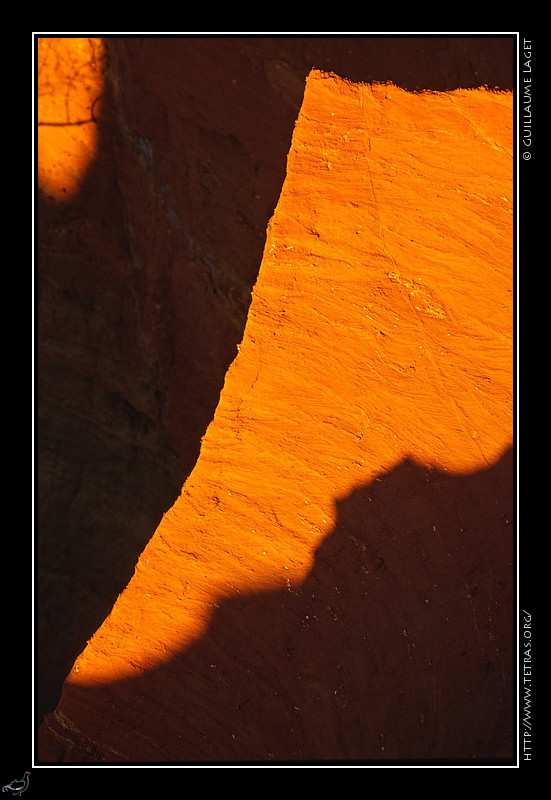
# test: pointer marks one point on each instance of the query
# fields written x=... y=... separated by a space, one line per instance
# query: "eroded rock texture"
x=144 y=274
x=335 y=579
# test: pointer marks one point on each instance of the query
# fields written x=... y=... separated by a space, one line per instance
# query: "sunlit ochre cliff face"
x=376 y=364
x=380 y=329
x=70 y=76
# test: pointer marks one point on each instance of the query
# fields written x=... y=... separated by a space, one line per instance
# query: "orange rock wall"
x=160 y=162
x=335 y=580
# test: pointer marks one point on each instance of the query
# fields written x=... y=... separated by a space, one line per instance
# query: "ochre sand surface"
x=335 y=580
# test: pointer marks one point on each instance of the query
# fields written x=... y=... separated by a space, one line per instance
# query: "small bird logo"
x=17 y=787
